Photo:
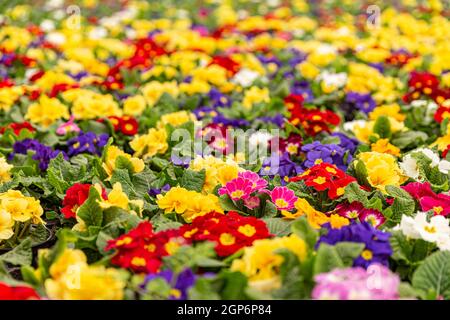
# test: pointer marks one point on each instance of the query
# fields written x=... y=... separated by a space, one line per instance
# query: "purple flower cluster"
x=375 y=283
x=363 y=102
x=377 y=247
x=317 y=152
x=87 y=142
x=42 y=153
x=281 y=165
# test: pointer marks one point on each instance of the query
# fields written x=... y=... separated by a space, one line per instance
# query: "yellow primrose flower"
x=337 y=221
x=315 y=218
x=5 y=168
x=110 y=161
x=255 y=95
x=51 y=78
x=47 y=111
x=148 y=145
x=175 y=118
x=389 y=110
x=118 y=198
x=383 y=146
x=382 y=170
x=6 y=225
x=195 y=86
x=20 y=207
x=261 y=264
x=8 y=96
x=73 y=279
x=308 y=70
x=90 y=105
x=134 y=105
x=217 y=171
x=153 y=90
x=444 y=141
x=188 y=203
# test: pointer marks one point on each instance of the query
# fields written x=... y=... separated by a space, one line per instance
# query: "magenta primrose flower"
x=238 y=188
x=257 y=182
x=283 y=198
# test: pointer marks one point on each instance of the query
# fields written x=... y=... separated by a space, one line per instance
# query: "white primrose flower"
x=437 y=230
x=245 y=77
x=409 y=164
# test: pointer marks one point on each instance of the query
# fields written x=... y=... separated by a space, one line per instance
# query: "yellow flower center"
x=171 y=247
x=331 y=170
x=320 y=180
x=438 y=209
x=430 y=229
x=237 y=194
x=247 y=230
x=189 y=233
x=126 y=240
x=150 y=248
x=367 y=254
x=138 y=262
x=175 y=293
x=281 y=203
x=227 y=239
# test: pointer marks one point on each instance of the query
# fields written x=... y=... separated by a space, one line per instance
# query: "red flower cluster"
x=427 y=84
x=126 y=125
x=141 y=250
x=17 y=127
x=325 y=176
x=227 y=63
x=231 y=232
x=17 y=293
x=313 y=121
x=441 y=113
x=76 y=195
x=145 y=50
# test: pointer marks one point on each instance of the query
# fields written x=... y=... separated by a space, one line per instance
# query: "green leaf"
x=278 y=226
x=303 y=229
x=20 y=255
x=327 y=259
x=433 y=276
x=382 y=127
x=353 y=193
x=349 y=251
x=193 y=180
x=91 y=212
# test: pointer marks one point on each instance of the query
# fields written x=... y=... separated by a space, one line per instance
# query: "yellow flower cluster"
x=148 y=145
x=255 y=95
x=315 y=217
x=153 y=90
x=87 y=104
x=118 y=198
x=188 y=203
x=261 y=264
x=47 y=111
x=8 y=96
x=217 y=171
x=382 y=170
x=5 y=168
x=134 y=105
x=112 y=153
x=175 y=119
x=15 y=207
x=73 y=279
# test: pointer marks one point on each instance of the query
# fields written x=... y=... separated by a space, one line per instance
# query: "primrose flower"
x=8 y=292
x=382 y=170
x=436 y=230
x=69 y=126
x=375 y=283
x=87 y=142
x=73 y=279
x=47 y=111
x=150 y=144
x=260 y=262
x=110 y=161
x=283 y=198
x=5 y=168
x=377 y=248
x=20 y=207
x=257 y=182
x=237 y=189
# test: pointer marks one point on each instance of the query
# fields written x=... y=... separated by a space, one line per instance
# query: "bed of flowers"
x=224 y=150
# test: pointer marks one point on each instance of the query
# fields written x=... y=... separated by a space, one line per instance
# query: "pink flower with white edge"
x=374 y=217
x=69 y=126
x=257 y=182
x=238 y=188
x=283 y=198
